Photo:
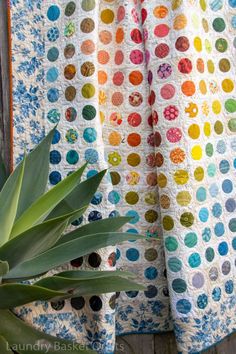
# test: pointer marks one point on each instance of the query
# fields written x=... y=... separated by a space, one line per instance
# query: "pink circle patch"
x=171 y=112
x=164 y=71
x=135 y=15
x=134 y=119
x=154 y=139
x=153 y=119
x=150 y=160
x=167 y=91
x=136 y=36
x=162 y=50
x=119 y=57
x=174 y=135
x=115 y=119
x=185 y=66
x=136 y=56
x=143 y=15
x=117 y=98
x=118 y=78
x=135 y=99
x=161 y=30
x=152 y=98
x=120 y=13
x=147 y=56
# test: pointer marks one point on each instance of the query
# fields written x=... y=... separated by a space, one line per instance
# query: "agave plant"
x=34 y=240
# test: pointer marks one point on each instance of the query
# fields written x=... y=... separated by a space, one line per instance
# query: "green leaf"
x=13 y=295
x=88 y=287
x=35 y=240
x=107 y=285
x=104 y=225
x=4 y=268
x=69 y=278
x=3 y=173
x=18 y=334
x=32 y=242
x=40 y=209
x=72 y=274
x=9 y=198
x=67 y=251
x=81 y=196
x=36 y=174
x=4 y=346
x=91 y=274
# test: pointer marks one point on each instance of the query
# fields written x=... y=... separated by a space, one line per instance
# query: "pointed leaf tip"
x=36 y=173
x=9 y=197
x=81 y=195
x=42 y=207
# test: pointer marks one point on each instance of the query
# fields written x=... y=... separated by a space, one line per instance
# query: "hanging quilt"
x=145 y=88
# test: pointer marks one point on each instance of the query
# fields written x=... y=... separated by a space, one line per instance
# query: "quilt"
x=145 y=88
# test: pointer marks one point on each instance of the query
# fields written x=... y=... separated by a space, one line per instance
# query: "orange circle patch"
x=103 y=57
x=188 y=88
x=119 y=35
x=87 y=47
x=102 y=77
x=160 y=11
x=135 y=77
x=177 y=155
x=134 y=139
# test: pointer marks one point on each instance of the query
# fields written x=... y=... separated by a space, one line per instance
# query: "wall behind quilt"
x=146 y=88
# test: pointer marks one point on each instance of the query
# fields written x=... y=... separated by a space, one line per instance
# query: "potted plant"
x=34 y=240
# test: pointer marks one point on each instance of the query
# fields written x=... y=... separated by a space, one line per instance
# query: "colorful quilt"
x=147 y=89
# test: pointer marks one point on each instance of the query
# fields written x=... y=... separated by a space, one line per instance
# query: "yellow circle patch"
x=162 y=180
x=194 y=131
x=207 y=129
x=203 y=5
x=88 y=91
x=183 y=198
x=107 y=16
x=198 y=44
x=203 y=87
x=210 y=66
x=199 y=174
x=181 y=177
x=216 y=107
x=227 y=85
x=102 y=117
x=196 y=152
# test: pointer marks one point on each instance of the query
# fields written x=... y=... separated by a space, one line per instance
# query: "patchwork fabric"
x=147 y=89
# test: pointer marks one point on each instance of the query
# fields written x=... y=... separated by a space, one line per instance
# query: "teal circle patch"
x=171 y=243
x=194 y=260
x=179 y=285
x=190 y=239
x=174 y=264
